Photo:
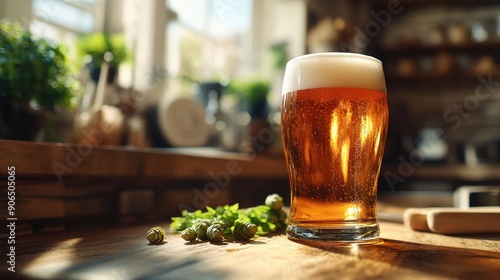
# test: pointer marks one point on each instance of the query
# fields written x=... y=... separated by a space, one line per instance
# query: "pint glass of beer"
x=334 y=117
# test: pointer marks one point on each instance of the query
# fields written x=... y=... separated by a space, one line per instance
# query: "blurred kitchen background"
x=207 y=73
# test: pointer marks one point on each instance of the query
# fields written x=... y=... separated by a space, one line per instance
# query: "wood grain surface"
x=124 y=253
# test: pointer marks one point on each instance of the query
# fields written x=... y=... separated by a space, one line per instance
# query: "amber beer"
x=334 y=122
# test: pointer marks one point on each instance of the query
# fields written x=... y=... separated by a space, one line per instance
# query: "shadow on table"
x=437 y=260
x=117 y=253
x=119 y=267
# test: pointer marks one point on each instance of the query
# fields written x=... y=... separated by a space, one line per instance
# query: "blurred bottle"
x=222 y=127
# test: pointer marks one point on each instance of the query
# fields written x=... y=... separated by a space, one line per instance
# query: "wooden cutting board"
x=454 y=220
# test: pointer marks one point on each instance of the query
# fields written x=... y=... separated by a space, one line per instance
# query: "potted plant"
x=253 y=99
x=35 y=79
x=253 y=96
x=96 y=45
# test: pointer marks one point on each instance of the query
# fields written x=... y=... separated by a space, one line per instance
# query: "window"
x=76 y=15
x=63 y=20
x=210 y=41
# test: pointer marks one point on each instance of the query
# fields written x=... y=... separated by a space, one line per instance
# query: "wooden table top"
x=124 y=253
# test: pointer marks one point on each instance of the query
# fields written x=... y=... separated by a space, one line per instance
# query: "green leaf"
x=211 y=210
x=234 y=207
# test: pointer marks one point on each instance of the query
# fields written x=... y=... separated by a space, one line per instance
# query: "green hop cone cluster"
x=217 y=231
x=228 y=223
x=156 y=235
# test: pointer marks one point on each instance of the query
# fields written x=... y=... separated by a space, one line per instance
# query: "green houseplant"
x=253 y=95
x=35 y=78
x=95 y=45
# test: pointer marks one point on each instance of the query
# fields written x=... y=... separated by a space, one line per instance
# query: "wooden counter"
x=124 y=253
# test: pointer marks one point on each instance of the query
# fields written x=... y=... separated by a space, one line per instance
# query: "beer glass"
x=334 y=117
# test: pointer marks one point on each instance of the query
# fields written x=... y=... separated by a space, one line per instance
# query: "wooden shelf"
x=33 y=159
x=455 y=172
x=490 y=46
x=441 y=79
x=65 y=184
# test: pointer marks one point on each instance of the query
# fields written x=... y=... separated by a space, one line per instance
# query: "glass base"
x=359 y=233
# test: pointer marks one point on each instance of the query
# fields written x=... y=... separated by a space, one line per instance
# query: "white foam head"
x=334 y=69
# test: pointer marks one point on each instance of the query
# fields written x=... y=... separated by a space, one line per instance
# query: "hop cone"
x=189 y=234
x=156 y=235
x=215 y=233
x=274 y=201
x=244 y=230
x=201 y=230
